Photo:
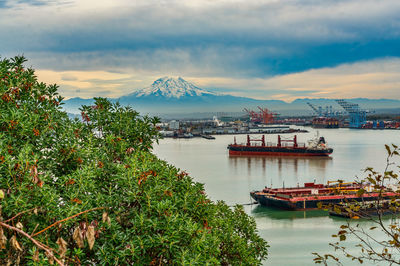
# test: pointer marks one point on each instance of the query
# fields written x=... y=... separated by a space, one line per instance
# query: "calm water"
x=291 y=235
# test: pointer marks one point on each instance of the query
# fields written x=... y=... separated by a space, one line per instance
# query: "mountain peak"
x=170 y=87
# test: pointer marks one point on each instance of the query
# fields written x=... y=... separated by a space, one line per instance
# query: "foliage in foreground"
x=380 y=243
x=90 y=192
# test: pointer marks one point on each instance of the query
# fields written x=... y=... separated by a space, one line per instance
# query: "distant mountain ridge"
x=176 y=95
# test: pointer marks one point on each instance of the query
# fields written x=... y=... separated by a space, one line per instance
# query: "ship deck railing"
x=272 y=144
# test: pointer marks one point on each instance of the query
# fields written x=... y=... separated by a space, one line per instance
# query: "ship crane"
x=357 y=116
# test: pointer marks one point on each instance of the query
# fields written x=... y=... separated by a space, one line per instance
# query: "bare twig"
x=40 y=245
x=367 y=242
x=66 y=219
x=35 y=229
x=18 y=214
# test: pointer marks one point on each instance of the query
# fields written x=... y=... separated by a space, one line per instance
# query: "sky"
x=264 y=49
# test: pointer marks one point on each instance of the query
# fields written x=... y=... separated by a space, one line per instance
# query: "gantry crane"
x=357 y=116
x=317 y=111
x=254 y=116
x=328 y=112
x=265 y=116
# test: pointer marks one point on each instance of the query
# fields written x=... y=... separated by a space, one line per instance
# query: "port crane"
x=264 y=115
x=320 y=111
x=317 y=111
x=357 y=116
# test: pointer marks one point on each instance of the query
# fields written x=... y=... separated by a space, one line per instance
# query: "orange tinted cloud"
x=370 y=79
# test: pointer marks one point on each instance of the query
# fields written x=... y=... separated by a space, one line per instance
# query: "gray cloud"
x=161 y=62
x=20 y=4
x=254 y=38
x=235 y=40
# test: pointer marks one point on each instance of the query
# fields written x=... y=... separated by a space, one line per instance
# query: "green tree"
x=380 y=242
x=91 y=192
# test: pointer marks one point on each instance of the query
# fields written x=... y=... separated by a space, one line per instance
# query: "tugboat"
x=206 y=136
x=284 y=147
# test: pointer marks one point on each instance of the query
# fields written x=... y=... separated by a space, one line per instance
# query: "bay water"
x=292 y=235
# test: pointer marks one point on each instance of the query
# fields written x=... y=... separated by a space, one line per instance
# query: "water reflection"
x=277 y=214
x=260 y=211
x=277 y=167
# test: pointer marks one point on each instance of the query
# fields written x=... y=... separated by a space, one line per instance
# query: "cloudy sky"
x=266 y=49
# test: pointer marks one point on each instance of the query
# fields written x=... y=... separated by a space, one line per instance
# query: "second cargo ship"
x=311 y=195
x=284 y=147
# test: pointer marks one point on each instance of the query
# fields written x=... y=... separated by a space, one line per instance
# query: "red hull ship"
x=311 y=195
x=315 y=147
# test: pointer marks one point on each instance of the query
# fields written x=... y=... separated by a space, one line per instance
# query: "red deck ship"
x=309 y=196
x=315 y=147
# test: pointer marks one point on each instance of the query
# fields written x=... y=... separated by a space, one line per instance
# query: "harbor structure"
x=357 y=116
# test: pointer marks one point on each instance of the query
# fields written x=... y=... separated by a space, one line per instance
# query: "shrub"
x=90 y=191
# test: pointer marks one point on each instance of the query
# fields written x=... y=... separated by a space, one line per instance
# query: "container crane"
x=317 y=111
x=357 y=116
x=328 y=112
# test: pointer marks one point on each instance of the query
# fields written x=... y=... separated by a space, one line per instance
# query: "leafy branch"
x=373 y=249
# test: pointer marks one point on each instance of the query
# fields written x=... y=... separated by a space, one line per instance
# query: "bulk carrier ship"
x=284 y=147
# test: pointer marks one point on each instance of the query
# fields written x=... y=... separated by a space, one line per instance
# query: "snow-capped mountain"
x=175 y=95
x=171 y=88
x=178 y=95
